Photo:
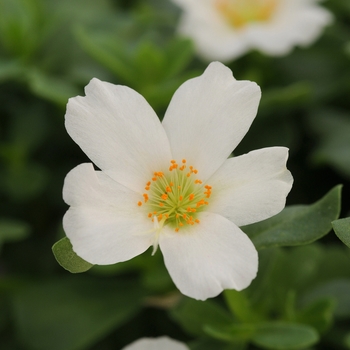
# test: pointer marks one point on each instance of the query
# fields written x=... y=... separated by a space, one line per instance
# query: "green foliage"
x=282 y=336
x=13 y=230
x=333 y=128
x=71 y=313
x=49 y=50
x=153 y=71
x=67 y=258
x=297 y=225
x=342 y=229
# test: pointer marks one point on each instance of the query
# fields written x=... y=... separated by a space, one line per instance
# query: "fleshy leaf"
x=319 y=314
x=297 y=225
x=338 y=290
x=284 y=336
x=67 y=258
x=341 y=228
x=193 y=316
x=236 y=333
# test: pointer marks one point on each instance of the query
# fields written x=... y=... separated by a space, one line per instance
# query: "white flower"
x=171 y=184
x=161 y=343
x=226 y=29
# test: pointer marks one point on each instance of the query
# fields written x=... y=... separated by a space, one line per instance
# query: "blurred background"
x=49 y=50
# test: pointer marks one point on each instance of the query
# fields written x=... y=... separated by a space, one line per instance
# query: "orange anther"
x=145 y=195
x=148 y=183
x=164 y=196
x=189 y=209
x=168 y=189
x=161 y=204
x=177 y=215
x=195 y=171
x=147 y=188
x=197 y=221
x=188 y=174
x=171 y=184
x=173 y=161
x=182 y=167
x=149 y=215
x=160 y=216
x=154 y=179
x=180 y=198
x=191 y=167
x=184 y=216
x=181 y=224
x=191 y=196
x=177 y=229
x=139 y=204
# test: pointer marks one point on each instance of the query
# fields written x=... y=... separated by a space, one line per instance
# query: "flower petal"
x=209 y=257
x=104 y=223
x=296 y=23
x=208 y=116
x=161 y=343
x=251 y=187
x=119 y=131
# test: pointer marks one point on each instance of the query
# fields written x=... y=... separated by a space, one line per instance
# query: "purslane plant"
x=171 y=185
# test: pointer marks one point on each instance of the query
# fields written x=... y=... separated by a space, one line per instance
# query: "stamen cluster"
x=240 y=12
x=176 y=196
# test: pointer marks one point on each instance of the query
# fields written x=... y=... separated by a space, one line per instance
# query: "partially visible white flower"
x=171 y=184
x=161 y=343
x=226 y=29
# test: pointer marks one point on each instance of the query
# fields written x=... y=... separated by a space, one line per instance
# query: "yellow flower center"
x=240 y=12
x=176 y=196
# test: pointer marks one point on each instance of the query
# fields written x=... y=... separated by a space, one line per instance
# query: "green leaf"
x=239 y=305
x=236 y=333
x=319 y=314
x=73 y=313
x=57 y=90
x=332 y=128
x=67 y=258
x=297 y=225
x=293 y=95
x=285 y=336
x=193 y=316
x=109 y=52
x=341 y=228
x=338 y=290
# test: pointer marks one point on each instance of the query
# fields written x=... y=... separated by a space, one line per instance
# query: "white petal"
x=251 y=187
x=208 y=116
x=209 y=257
x=161 y=343
x=213 y=38
x=119 y=131
x=104 y=223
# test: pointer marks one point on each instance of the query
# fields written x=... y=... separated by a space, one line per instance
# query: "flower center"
x=176 y=196
x=240 y=12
